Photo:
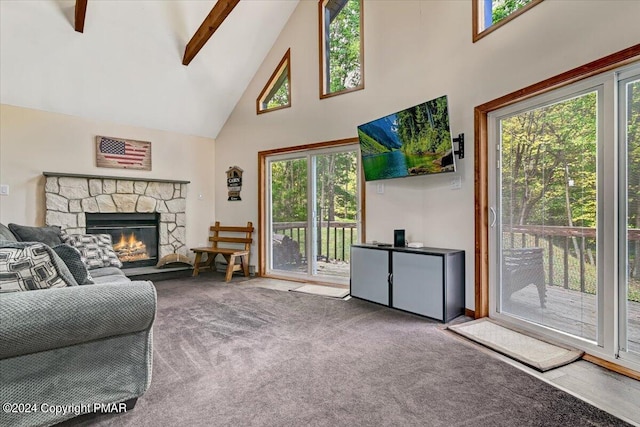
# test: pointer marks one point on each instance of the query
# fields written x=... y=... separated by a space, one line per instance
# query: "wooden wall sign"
x=234 y=183
x=122 y=153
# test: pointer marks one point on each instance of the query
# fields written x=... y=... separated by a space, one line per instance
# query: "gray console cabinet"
x=424 y=281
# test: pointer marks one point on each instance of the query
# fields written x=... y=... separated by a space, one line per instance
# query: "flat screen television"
x=411 y=142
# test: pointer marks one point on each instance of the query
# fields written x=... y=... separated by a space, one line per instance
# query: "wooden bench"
x=522 y=267
x=230 y=254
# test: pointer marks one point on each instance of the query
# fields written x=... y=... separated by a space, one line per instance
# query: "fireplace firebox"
x=134 y=235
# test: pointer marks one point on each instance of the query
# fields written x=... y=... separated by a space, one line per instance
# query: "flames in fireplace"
x=130 y=249
x=134 y=235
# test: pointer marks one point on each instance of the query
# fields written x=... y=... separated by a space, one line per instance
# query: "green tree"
x=425 y=128
x=549 y=165
x=336 y=177
x=633 y=172
x=289 y=190
x=343 y=45
x=281 y=97
x=502 y=8
x=336 y=181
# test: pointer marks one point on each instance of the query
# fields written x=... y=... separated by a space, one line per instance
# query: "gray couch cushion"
x=113 y=369
x=39 y=321
x=51 y=236
x=28 y=266
x=109 y=275
x=6 y=234
x=106 y=271
x=73 y=260
x=111 y=279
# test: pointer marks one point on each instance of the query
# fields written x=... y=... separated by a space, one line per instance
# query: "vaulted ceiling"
x=127 y=64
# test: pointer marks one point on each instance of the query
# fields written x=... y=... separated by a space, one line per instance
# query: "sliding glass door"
x=564 y=174
x=289 y=213
x=629 y=122
x=313 y=206
x=548 y=226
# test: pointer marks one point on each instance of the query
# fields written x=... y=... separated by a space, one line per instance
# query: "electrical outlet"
x=380 y=188
x=4 y=190
x=456 y=183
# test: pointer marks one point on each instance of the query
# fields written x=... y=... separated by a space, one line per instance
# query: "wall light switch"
x=456 y=183
x=380 y=188
x=4 y=190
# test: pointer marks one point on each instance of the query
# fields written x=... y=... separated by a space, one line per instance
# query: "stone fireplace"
x=69 y=198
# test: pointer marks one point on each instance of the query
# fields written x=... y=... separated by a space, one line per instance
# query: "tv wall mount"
x=460 y=151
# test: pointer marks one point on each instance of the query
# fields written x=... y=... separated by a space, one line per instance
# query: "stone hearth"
x=69 y=196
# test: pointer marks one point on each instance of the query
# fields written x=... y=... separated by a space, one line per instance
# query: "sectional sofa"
x=69 y=348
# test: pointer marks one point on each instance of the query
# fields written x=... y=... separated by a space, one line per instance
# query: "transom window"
x=341 y=47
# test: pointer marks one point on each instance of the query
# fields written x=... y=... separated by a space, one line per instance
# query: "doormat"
x=325 y=291
x=532 y=352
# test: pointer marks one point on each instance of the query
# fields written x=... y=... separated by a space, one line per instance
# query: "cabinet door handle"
x=390 y=279
x=495 y=217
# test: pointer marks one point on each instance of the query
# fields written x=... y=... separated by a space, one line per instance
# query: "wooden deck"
x=570 y=311
x=333 y=268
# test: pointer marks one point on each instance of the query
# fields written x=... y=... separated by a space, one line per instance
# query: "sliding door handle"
x=495 y=217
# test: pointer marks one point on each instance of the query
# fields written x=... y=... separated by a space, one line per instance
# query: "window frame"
x=322 y=51
x=284 y=62
x=475 y=13
x=624 y=76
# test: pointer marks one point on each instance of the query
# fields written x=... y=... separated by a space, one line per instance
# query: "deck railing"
x=577 y=242
x=334 y=237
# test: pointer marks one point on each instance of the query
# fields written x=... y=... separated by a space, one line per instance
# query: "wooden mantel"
x=122 y=178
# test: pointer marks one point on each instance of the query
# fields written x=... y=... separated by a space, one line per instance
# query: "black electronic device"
x=398 y=239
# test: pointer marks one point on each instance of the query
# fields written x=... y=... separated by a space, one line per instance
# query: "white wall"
x=32 y=142
x=416 y=51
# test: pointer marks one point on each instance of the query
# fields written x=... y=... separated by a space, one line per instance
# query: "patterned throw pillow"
x=73 y=259
x=96 y=250
x=28 y=268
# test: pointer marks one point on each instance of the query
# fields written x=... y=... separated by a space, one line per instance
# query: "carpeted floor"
x=228 y=355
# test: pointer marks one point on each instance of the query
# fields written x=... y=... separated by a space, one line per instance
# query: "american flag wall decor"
x=122 y=153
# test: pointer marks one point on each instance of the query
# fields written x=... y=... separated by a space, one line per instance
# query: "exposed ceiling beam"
x=81 y=11
x=216 y=17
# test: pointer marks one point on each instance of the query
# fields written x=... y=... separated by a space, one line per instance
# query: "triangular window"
x=277 y=92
